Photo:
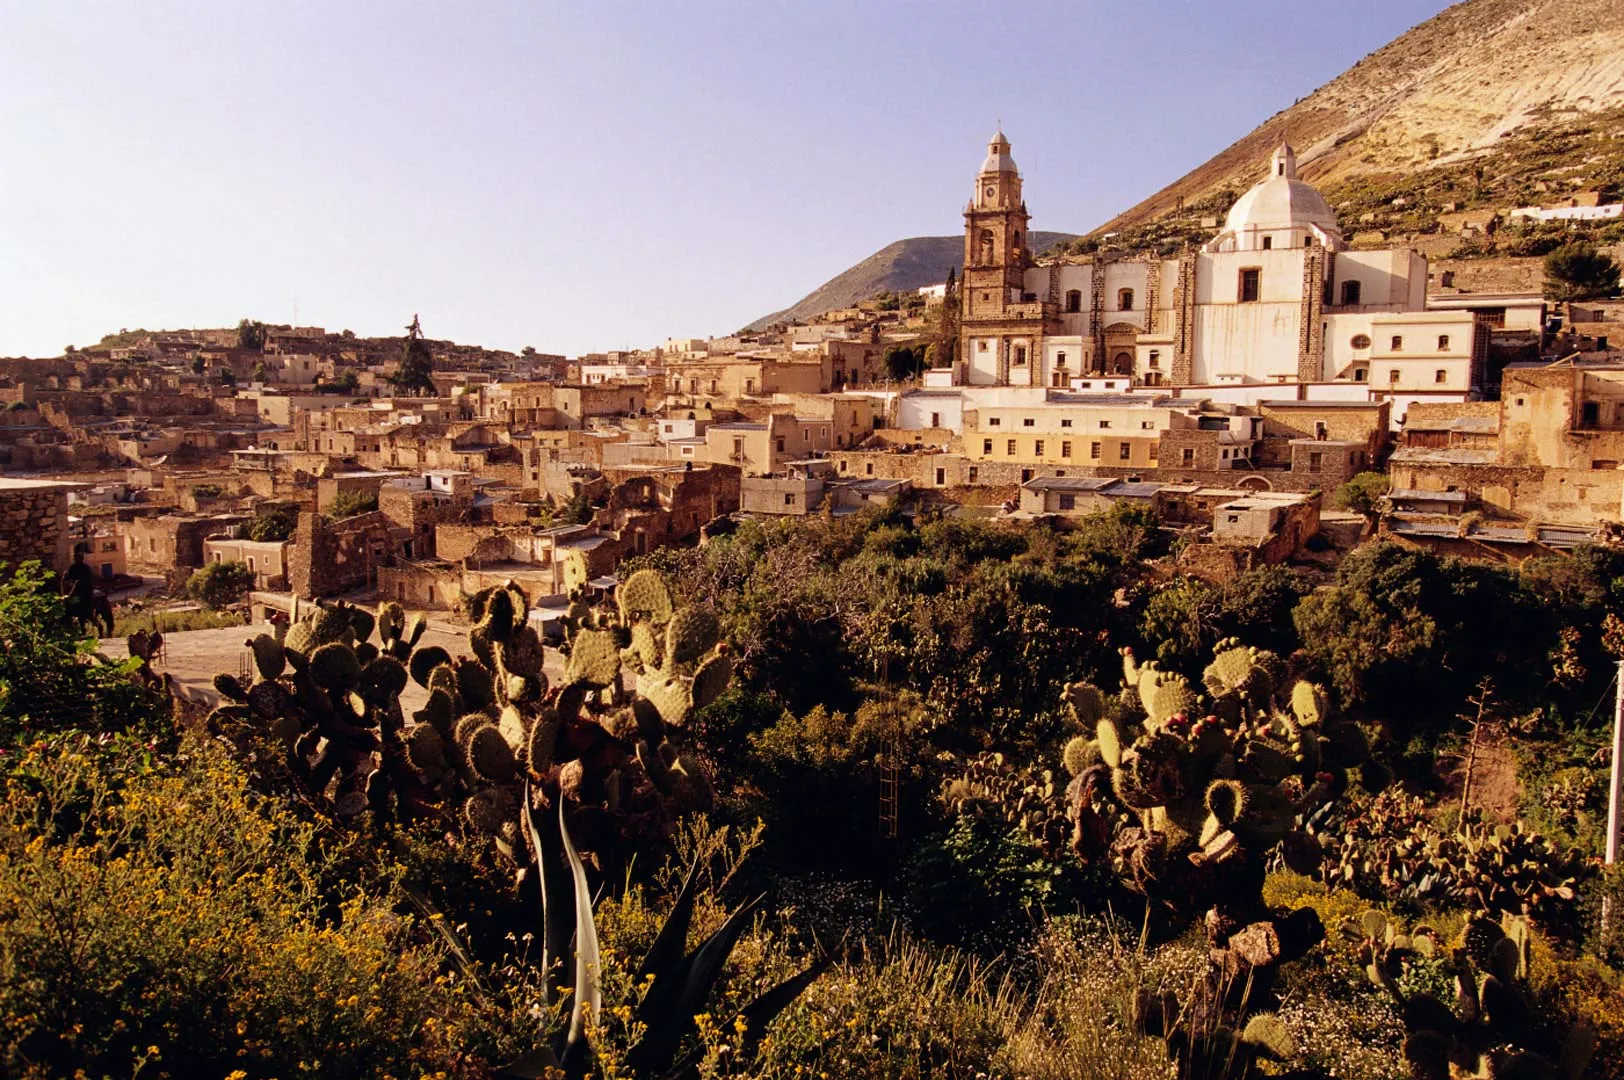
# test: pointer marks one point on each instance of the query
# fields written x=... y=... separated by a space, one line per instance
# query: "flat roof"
x=737 y=427
x=1411 y=495
x=1071 y=483
x=1293 y=403
x=1445 y=456
x=8 y=483
x=1484 y=425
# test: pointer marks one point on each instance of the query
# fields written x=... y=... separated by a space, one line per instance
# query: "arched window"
x=1123 y=364
x=1124 y=299
x=986 y=245
x=1017 y=239
x=1074 y=301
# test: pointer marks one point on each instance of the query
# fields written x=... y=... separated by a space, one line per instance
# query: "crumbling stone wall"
x=34 y=525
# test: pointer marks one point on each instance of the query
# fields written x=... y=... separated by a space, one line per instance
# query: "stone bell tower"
x=1000 y=329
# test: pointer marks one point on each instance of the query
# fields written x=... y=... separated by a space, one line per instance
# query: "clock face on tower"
x=989 y=192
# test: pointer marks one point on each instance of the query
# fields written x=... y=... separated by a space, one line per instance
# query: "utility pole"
x=1615 y=791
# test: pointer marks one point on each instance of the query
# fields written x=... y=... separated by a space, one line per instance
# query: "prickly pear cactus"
x=330 y=699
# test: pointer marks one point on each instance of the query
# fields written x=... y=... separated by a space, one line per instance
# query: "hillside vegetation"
x=1510 y=92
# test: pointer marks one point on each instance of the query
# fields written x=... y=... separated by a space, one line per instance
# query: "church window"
x=1020 y=356
x=1251 y=285
x=1155 y=358
x=1037 y=448
x=986 y=245
x=1074 y=301
x=1398 y=342
x=1350 y=292
x=1017 y=239
x=1440 y=376
x=1009 y=448
x=1360 y=341
x=1124 y=299
x=1065 y=448
x=1060 y=359
x=1268 y=243
x=986 y=446
x=1443 y=342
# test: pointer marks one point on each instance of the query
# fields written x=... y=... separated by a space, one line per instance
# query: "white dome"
x=998 y=159
x=1281 y=202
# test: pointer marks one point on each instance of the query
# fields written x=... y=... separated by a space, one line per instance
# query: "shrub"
x=350 y=503
x=274 y=524
x=173 y=920
x=221 y=584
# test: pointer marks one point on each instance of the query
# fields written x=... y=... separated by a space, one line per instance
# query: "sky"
x=583 y=176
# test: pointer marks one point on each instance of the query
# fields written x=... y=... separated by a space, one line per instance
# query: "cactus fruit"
x=424 y=661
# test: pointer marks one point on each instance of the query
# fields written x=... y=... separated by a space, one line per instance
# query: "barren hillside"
x=1446 y=93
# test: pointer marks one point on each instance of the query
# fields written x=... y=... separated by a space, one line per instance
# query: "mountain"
x=904 y=265
x=1485 y=97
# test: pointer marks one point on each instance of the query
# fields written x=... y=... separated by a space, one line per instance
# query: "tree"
x=260 y=373
x=350 y=503
x=221 y=584
x=1577 y=271
x=901 y=363
x=578 y=511
x=416 y=363
x=250 y=334
x=274 y=524
x=947 y=323
x=1363 y=493
x=227 y=377
x=197 y=365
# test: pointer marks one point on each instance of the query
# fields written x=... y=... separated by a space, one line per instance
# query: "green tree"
x=1577 y=271
x=273 y=524
x=221 y=584
x=947 y=323
x=250 y=334
x=227 y=377
x=50 y=676
x=578 y=511
x=350 y=503
x=197 y=365
x=1363 y=493
x=416 y=364
x=901 y=363
x=261 y=374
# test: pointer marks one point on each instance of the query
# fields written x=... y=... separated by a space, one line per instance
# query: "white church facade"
x=1275 y=297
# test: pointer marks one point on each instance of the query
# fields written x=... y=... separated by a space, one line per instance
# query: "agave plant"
x=679 y=981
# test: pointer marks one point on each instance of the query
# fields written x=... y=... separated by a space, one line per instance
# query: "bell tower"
x=995 y=255
x=1001 y=325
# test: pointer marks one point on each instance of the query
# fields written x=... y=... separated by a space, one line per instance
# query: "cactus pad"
x=489 y=755
x=1081 y=753
x=424 y=661
x=542 y=745
x=334 y=667
x=711 y=680
x=1109 y=739
x=1163 y=694
x=671 y=696
x=594 y=658
x=1086 y=703
x=425 y=749
x=644 y=596
x=268 y=656
x=692 y=633
x=521 y=653
x=473 y=683
x=227 y=686
x=391 y=621
x=1309 y=703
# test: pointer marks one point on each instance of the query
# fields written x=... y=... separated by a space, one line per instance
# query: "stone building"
x=1276 y=296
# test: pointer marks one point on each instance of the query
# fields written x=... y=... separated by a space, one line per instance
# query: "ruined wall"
x=34 y=525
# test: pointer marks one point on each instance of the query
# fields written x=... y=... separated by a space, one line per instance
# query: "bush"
x=170 y=919
x=221 y=584
x=274 y=524
x=1577 y=271
x=50 y=676
x=350 y=503
x=1362 y=494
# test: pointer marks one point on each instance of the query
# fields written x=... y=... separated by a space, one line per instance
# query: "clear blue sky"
x=588 y=175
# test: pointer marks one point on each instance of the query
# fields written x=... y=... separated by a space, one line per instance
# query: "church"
x=1275 y=297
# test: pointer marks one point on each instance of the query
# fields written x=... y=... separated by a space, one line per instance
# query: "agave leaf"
x=659 y=1043
x=765 y=1008
x=454 y=943
x=667 y=960
x=588 y=960
x=557 y=903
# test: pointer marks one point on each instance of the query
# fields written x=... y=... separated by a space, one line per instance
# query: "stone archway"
x=1123 y=364
x=1255 y=483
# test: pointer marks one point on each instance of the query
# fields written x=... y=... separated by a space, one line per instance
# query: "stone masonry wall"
x=34 y=525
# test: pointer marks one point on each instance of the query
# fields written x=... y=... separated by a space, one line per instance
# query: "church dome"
x=998 y=159
x=1282 y=202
